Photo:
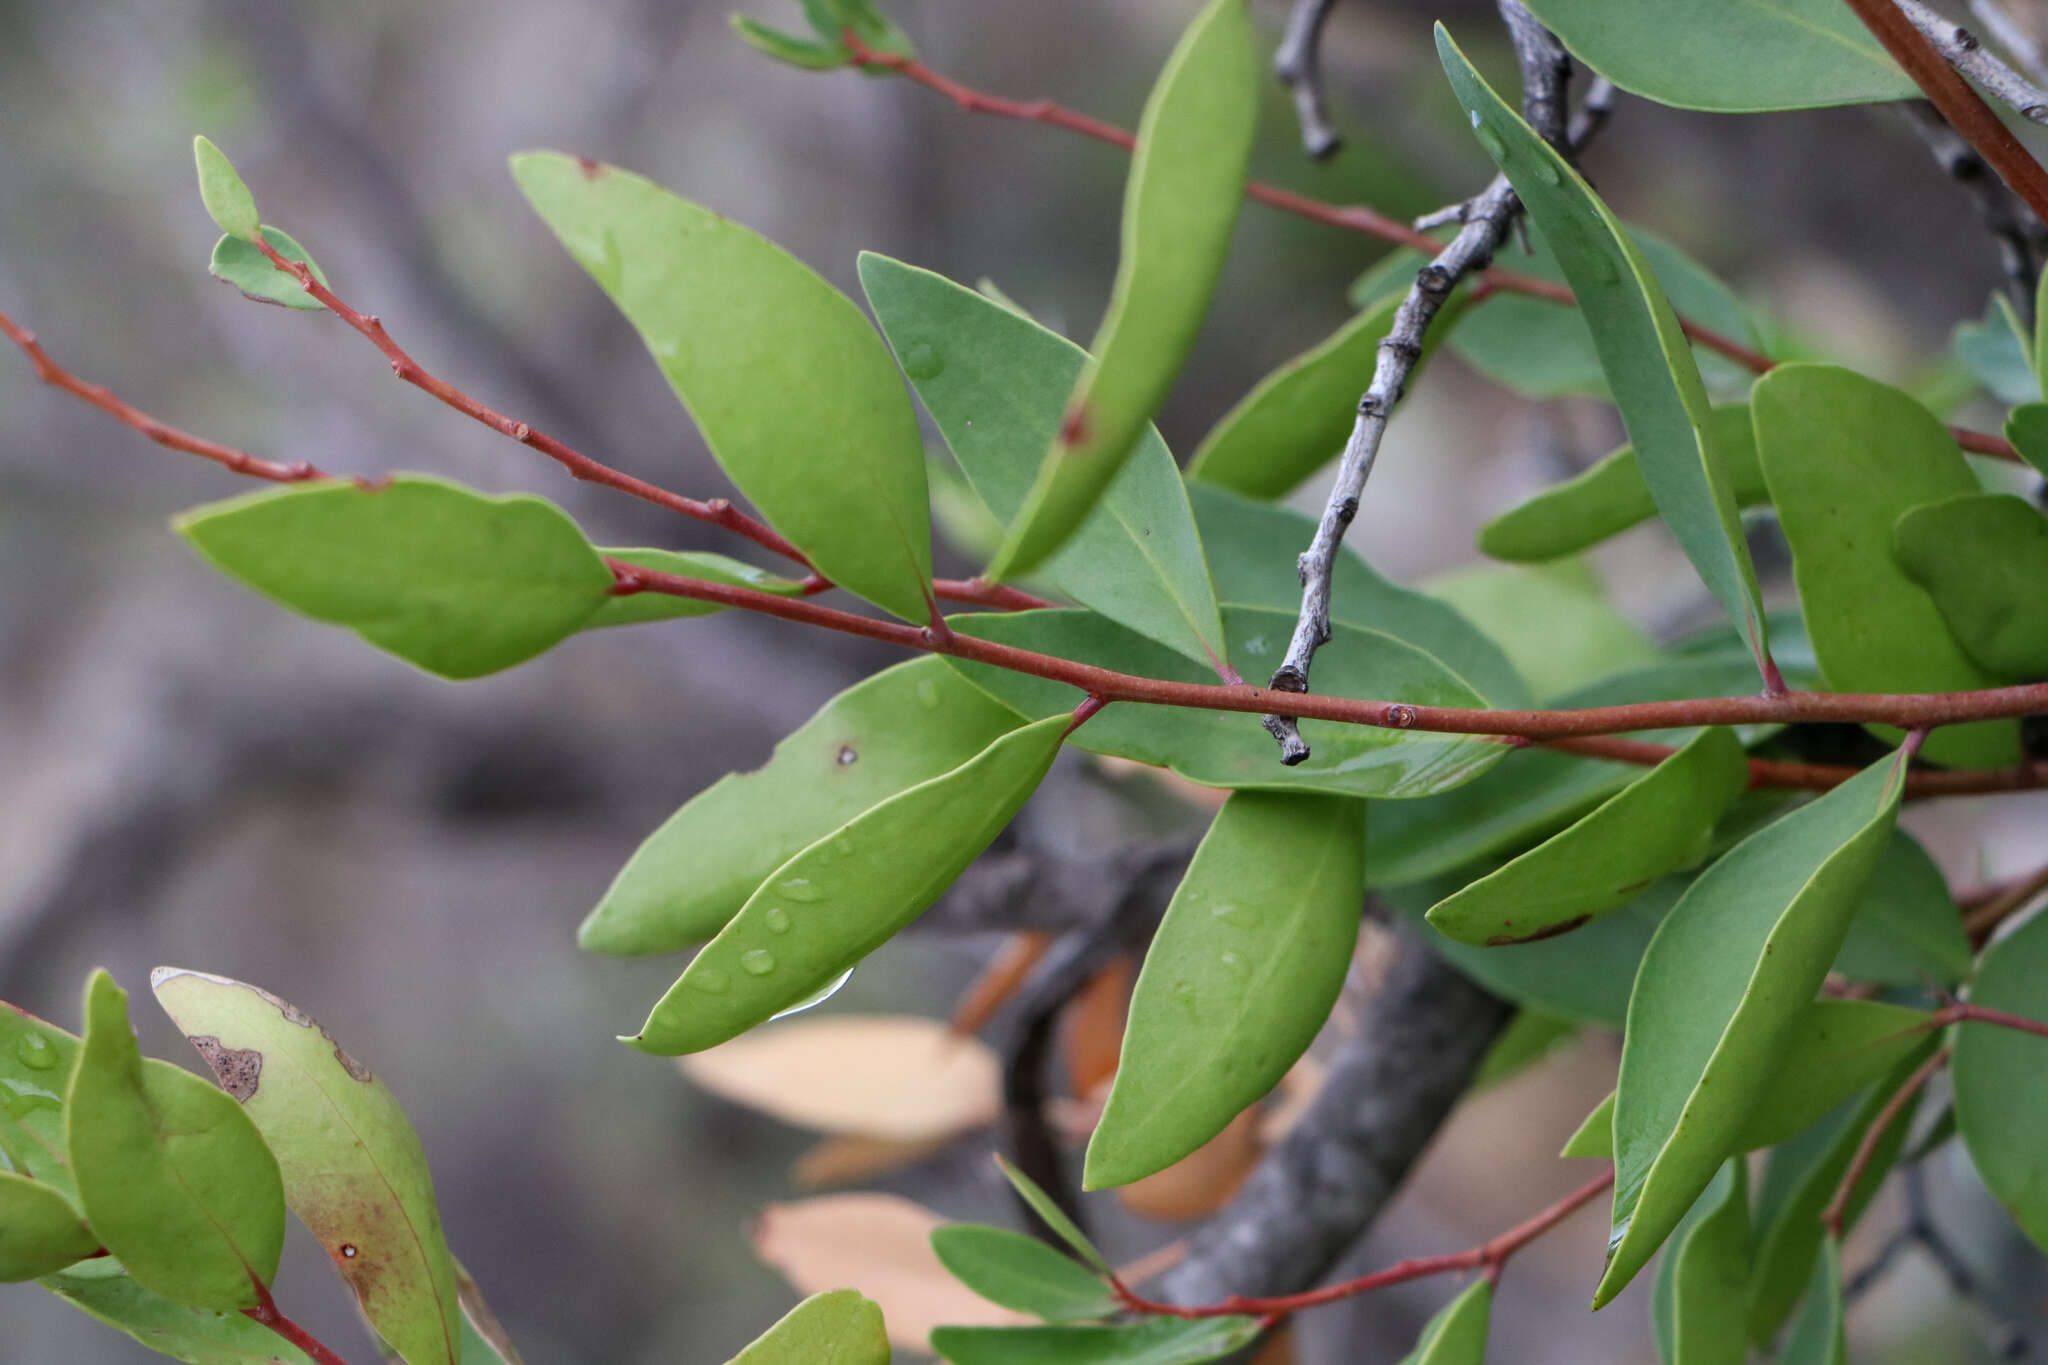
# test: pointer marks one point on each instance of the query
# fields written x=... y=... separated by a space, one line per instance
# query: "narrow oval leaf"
x=1643 y=351
x=1733 y=965
x=40 y=1233
x=1983 y=558
x=240 y=264
x=1593 y=1138
x=174 y=1178
x=448 y=579
x=1743 y=57
x=1703 y=1282
x=996 y=383
x=794 y=392
x=1655 y=825
x=1222 y=749
x=784 y=48
x=880 y=737
x=227 y=199
x=835 y=1328
x=639 y=607
x=102 y=1290
x=1023 y=1273
x=1610 y=497
x=1908 y=931
x=848 y=894
x=1457 y=1334
x=2000 y=1104
x=1238 y=980
x=353 y=1169
x=1817 y=1337
x=1152 y=1341
x=1846 y=457
x=1553 y=620
x=1180 y=207
x=1050 y=1213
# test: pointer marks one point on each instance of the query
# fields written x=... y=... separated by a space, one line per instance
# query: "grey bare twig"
x=2011 y=224
x=1545 y=68
x=2022 y=40
x=1961 y=49
x=1298 y=62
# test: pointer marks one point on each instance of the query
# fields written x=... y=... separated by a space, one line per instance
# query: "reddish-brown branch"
x=1488 y=1256
x=1837 y=1210
x=1785 y=775
x=1962 y=1012
x=266 y=1312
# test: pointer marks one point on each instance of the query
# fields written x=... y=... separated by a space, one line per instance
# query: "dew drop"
x=1236 y=916
x=777 y=919
x=923 y=361
x=1474 y=116
x=1234 y=963
x=18 y=1099
x=1184 y=996
x=35 y=1052
x=1547 y=172
x=711 y=981
x=817 y=997
x=1491 y=141
x=800 y=889
x=348 y=1251
x=843 y=846
x=928 y=695
x=757 y=962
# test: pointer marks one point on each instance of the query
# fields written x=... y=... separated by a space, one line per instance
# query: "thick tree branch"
x=1298 y=62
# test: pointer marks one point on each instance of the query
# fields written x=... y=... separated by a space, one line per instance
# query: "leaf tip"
x=221 y=189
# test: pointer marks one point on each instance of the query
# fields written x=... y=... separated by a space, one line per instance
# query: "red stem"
x=1837 y=1210
x=1488 y=1256
x=1963 y=1012
x=266 y=1312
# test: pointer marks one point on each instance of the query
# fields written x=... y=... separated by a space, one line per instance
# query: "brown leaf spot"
x=238 y=1069
x=591 y=169
x=1074 y=427
x=1503 y=940
x=348 y=1063
x=848 y=756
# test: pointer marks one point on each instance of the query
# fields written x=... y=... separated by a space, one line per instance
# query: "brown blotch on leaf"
x=238 y=1069
x=1074 y=427
x=848 y=756
x=591 y=169
x=1504 y=940
x=348 y=1063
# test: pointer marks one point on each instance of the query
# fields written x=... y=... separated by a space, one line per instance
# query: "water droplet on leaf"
x=817 y=997
x=35 y=1052
x=1491 y=141
x=928 y=695
x=711 y=981
x=777 y=919
x=757 y=961
x=923 y=361
x=800 y=889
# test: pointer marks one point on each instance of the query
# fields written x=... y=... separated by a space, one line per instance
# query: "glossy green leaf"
x=794 y=392
x=2000 y=1104
x=174 y=1178
x=1252 y=548
x=40 y=1233
x=1732 y=966
x=1594 y=1137
x=1983 y=558
x=1151 y=1341
x=1556 y=626
x=1737 y=56
x=1643 y=352
x=847 y=894
x=835 y=1328
x=1610 y=497
x=1817 y=1336
x=1296 y=419
x=2026 y=426
x=1226 y=749
x=1908 y=931
x=1655 y=825
x=238 y=263
x=1180 y=207
x=1238 y=980
x=1457 y=1334
x=1994 y=351
x=102 y=1289
x=641 y=607
x=1845 y=457
x=1703 y=1281
x=880 y=737
x=996 y=383
x=446 y=578
x=227 y=199
x=353 y=1168
x=36 y=1060
x=1050 y=1213
x=1020 y=1272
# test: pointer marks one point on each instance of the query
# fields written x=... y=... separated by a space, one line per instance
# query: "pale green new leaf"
x=1703 y=1282
x=227 y=199
x=2000 y=1104
x=1020 y=1272
x=1983 y=557
x=240 y=264
x=835 y=1328
x=40 y=1233
x=637 y=608
x=1457 y=1334
x=103 y=1290
x=1050 y=1213
x=1150 y=1341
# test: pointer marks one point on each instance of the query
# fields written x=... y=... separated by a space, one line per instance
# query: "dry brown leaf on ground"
x=1092 y=1027
x=1000 y=979
x=1202 y=1181
x=849 y=1159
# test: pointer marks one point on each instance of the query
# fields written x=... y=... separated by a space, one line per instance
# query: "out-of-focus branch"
x=1963 y=52
x=1298 y=62
x=2003 y=216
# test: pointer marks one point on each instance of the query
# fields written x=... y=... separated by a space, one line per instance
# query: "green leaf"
x=880 y=737
x=2026 y=426
x=1703 y=1282
x=1643 y=352
x=835 y=1328
x=484 y=1341
x=1238 y=980
x=1982 y=557
x=785 y=48
x=199 y=1336
x=228 y=201
x=40 y=1233
x=1180 y=207
x=637 y=608
x=847 y=894
x=1530 y=1037
x=794 y=392
x=1556 y=626
x=1730 y=969
x=1152 y=1341
x=1817 y=1337
x=1741 y=56
x=1023 y=1273
x=174 y=1178
x=1610 y=497
x=996 y=383
x=240 y=264
x=1845 y=457
x=1050 y=1213
x=36 y=1061
x=353 y=1168
x=1297 y=418
x=1655 y=825
x=1252 y=548
x=1457 y=1334
x=2000 y=1103
x=1224 y=749
x=1908 y=931
x=1994 y=351
x=1594 y=1137
x=450 y=580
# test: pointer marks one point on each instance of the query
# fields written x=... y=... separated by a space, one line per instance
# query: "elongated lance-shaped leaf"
x=354 y=1172
x=1846 y=457
x=1180 y=206
x=1457 y=1334
x=996 y=383
x=103 y=1290
x=1239 y=978
x=1817 y=1337
x=1730 y=970
x=794 y=392
x=2000 y=1107
x=1050 y=1213
x=1703 y=1281
x=455 y=582
x=1982 y=558
x=1020 y=1272
x=1648 y=363
x=882 y=736
x=1657 y=824
x=40 y=1231
x=835 y=1328
x=1149 y=1341
x=175 y=1179
x=1297 y=418
x=1908 y=931
x=640 y=607
x=240 y=264
x=227 y=199
x=848 y=894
